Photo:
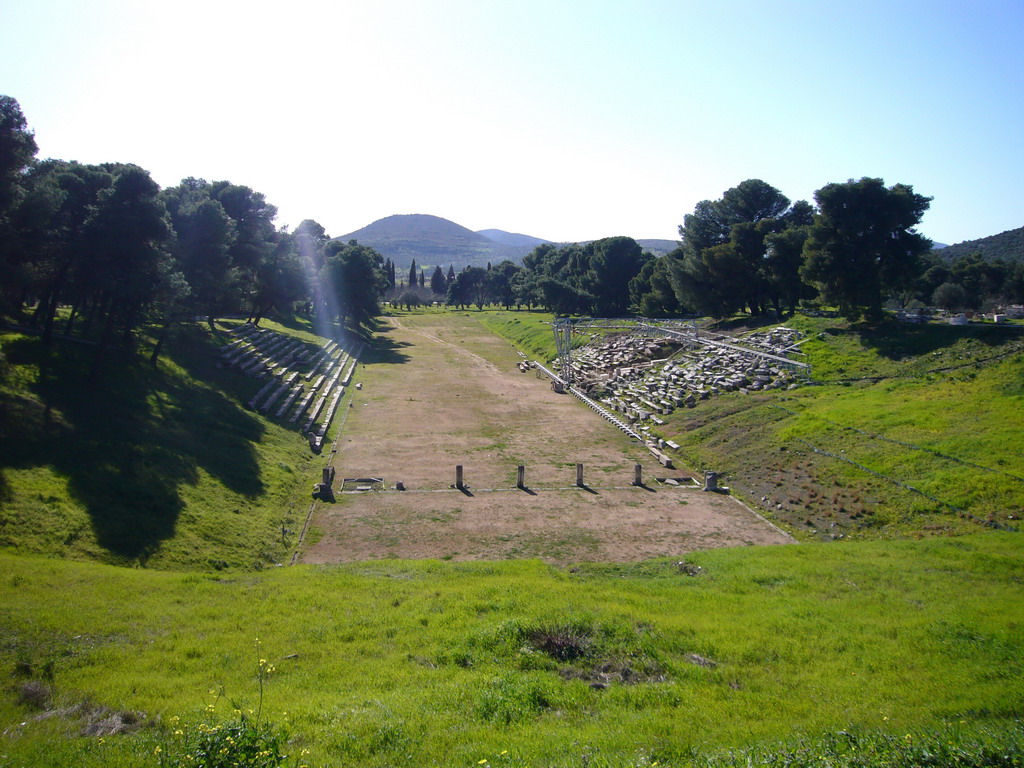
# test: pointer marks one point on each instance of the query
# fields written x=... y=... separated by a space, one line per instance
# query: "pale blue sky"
x=563 y=120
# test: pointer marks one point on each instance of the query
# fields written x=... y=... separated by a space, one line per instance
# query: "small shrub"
x=241 y=742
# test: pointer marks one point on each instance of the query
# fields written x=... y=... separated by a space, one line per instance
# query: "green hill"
x=1008 y=246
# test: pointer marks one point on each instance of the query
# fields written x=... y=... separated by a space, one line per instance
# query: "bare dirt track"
x=440 y=390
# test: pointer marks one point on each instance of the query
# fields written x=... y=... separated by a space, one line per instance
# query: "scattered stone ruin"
x=645 y=377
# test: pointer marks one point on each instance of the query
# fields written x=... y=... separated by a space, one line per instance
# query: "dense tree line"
x=969 y=282
x=752 y=250
x=108 y=242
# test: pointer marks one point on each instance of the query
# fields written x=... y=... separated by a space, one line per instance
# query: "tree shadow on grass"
x=127 y=442
x=897 y=341
x=386 y=351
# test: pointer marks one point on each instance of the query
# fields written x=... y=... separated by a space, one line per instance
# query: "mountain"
x=433 y=241
x=1008 y=246
x=512 y=238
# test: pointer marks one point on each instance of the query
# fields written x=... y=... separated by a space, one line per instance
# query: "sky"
x=562 y=119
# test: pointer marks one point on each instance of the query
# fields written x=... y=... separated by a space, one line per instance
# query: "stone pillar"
x=521 y=476
x=710 y=481
x=458 y=477
x=638 y=474
x=579 y=475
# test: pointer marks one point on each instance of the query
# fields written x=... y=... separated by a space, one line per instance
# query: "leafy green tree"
x=255 y=233
x=128 y=237
x=279 y=280
x=468 y=287
x=863 y=244
x=526 y=288
x=409 y=299
x=564 y=299
x=613 y=262
x=981 y=280
x=354 y=277
x=783 y=259
x=499 y=283
x=204 y=235
x=413 y=275
x=723 y=265
x=950 y=296
x=702 y=229
x=651 y=290
x=17 y=150
x=311 y=239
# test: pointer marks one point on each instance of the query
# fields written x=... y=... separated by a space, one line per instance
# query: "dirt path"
x=444 y=391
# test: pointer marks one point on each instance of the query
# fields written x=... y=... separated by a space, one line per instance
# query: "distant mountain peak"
x=433 y=241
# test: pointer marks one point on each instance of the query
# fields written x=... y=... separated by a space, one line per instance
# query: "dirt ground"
x=445 y=391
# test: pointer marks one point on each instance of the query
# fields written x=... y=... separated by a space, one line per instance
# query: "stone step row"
x=276 y=394
x=294 y=393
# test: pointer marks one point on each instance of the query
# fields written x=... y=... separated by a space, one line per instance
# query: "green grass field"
x=162 y=467
x=520 y=663
x=900 y=644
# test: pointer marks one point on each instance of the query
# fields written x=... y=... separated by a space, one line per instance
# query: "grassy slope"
x=529 y=332
x=434 y=663
x=161 y=467
x=882 y=383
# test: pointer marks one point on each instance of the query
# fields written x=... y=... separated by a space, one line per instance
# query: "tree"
x=128 y=237
x=613 y=262
x=499 y=283
x=950 y=296
x=278 y=282
x=311 y=240
x=722 y=265
x=353 y=275
x=413 y=275
x=438 y=283
x=981 y=280
x=17 y=149
x=468 y=287
x=784 y=256
x=651 y=290
x=751 y=201
x=526 y=288
x=863 y=244
x=204 y=235
x=409 y=298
